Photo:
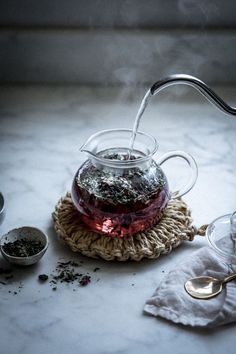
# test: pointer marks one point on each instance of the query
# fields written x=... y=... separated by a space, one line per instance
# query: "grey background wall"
x=108 y=42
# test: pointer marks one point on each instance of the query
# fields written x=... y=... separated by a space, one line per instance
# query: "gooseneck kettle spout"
x=198 y=85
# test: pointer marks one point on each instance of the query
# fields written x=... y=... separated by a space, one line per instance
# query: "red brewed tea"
x=120 y=202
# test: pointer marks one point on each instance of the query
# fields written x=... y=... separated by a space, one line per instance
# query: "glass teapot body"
x=116 y=191
x=120 y=201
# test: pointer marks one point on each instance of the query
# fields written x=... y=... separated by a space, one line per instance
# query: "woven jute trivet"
x=174 y=227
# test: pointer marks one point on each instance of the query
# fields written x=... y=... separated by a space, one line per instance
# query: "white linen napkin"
x=171 y=301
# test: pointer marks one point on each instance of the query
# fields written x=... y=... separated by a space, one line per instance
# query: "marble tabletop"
x=41 y=130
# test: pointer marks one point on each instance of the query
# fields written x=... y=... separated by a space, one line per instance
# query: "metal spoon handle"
x=197 y=84
x=229 y=278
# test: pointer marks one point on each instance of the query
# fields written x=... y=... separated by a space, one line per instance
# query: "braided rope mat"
x=174 y=227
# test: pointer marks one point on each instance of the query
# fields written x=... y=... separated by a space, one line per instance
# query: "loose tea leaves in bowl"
x=23 y=247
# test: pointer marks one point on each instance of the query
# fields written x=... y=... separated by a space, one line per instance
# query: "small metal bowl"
x=25 y=232
x=2 y=209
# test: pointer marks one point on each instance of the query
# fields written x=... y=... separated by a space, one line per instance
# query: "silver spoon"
x=206 y=287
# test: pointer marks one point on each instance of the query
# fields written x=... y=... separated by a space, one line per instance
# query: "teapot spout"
x=90 y=146
x=84 y=148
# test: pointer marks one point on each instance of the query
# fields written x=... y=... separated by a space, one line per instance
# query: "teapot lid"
x=221 y=235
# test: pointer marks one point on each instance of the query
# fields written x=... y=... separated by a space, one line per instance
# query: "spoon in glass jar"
x=205 y=287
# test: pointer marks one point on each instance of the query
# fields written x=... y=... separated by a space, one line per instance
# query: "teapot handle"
x=192 y=165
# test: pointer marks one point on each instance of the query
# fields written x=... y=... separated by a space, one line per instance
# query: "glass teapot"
x=118 y=192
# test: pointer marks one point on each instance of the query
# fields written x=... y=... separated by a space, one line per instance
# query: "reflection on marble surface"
x=41 y=130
